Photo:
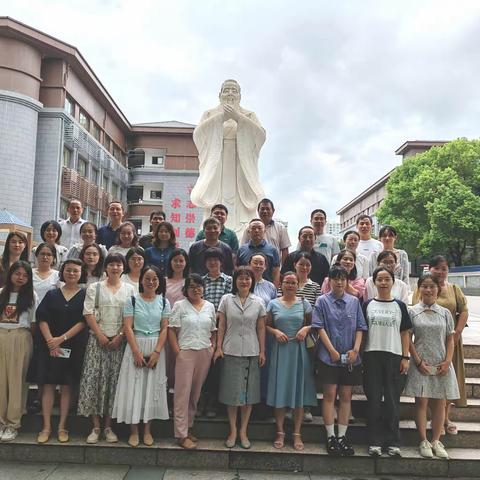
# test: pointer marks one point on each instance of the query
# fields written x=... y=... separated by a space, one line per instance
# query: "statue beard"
x=232 y=101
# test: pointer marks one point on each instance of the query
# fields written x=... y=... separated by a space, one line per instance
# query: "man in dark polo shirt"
x=196 y=254
x=220 y=212
x=258 y=244
x=107 y=234
x=320 y=265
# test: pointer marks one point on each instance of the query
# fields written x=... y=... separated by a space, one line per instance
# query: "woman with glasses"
x=135 y=259
x=290 y=375
x=192 y=335
x=44 y=276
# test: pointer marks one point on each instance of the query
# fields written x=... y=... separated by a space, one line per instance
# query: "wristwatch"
x=65 y=338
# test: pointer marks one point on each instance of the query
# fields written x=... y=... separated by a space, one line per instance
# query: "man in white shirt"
x=71 y=226
x=367 y=245
x=275 y=233
x=325 y=243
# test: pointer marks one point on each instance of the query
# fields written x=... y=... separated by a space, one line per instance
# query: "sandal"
x=451 y=428
x=44 y=436
x=297 y=442
x=279 y=441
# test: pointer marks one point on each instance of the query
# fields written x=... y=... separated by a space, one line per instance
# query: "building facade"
x=62 y=136
x=370 y=199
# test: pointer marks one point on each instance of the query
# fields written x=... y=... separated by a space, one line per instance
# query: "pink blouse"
x=358 y=284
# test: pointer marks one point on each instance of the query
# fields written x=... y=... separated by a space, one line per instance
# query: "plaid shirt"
x=215 y=289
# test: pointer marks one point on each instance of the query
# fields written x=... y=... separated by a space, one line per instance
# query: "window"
x=92 y=216
x=134 y=193
x=96 y=131
x=106 y=142
x=157 y=160
x=95 y=176
x=138 y=226
x=84 y=120
x=114 y=190
x=105 y=182
x=63 y=208
x=67 y=157
x=117 y=153
x=155 y=194
x=69 y=106
x=82 y=167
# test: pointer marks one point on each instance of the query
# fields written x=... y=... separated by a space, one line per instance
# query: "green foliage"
x=433 y=200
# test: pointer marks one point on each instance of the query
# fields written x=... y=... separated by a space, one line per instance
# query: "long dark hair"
x=6 y=251
x=98 y=270
x=353 y=272
x=175 y=253
x=173 y=239
x=25 y=299
x=118 y=241
x=162 y=283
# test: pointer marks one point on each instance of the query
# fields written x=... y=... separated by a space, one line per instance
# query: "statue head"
x=230 y=93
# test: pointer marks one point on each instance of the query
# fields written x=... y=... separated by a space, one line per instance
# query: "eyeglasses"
x=195 y=288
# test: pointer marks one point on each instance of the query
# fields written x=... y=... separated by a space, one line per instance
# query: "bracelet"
x=156 y=351
x=65 y=338
x=405 y=357
x=120 y=333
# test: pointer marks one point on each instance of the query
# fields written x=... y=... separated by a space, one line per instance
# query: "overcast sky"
x=338 y=85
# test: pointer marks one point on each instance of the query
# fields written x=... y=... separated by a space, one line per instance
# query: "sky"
x=338 y=86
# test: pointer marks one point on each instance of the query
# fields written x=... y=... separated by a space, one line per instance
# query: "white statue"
x=228 y=140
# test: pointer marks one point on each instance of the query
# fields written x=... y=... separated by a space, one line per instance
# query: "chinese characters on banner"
x=185 y=217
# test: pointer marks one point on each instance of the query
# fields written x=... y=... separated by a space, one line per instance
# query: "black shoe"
x=344 y=447
x=332 y=446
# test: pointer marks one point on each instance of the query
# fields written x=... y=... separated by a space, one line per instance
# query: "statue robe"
x=228 y=155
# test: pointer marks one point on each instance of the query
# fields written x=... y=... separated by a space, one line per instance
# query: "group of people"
x=116 y=320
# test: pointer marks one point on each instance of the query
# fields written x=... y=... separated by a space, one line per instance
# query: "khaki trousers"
x=191 y=369
x=15 y=353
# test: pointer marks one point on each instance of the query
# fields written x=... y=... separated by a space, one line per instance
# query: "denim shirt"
x=341 y=318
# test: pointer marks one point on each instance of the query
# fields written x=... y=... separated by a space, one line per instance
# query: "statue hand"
x=230 y=113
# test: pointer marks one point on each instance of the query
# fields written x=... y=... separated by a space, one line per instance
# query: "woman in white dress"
x=88 y=234
x=126 y=239
x=92 y=257
x=135 y=259
x=51 y=232
x=142 y=384
x=44 y=276
x=431 y=379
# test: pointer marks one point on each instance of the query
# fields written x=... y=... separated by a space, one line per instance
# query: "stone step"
x=263 y=430
x=472 y=367
x=212 y=454
x=471 y=351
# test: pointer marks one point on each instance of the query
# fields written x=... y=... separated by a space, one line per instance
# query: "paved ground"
x=34 y=471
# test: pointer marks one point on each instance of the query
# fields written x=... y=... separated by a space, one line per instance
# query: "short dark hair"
x=300 y=255
x=78 y=263
x=98 y=270
x=192 y=278
x=55 y=225
x=363 y=216
x=175 y=253
x=119 y=231
x=171 y=231
x=304 y=228
x=158 y=213
x=427 y=276
x=265 y=200
x=286 y=274
x=211 y=221
x=350 y=232
x=213 y=252
x=318 y=210
x=114 y=258
x=50 y=247
x=255 y=220
x=336 y=271
x=240 y=272
x=86 y=224
x=353 y=271
x=258 y=254
x=74 y=200
x=387 y=229
x=437 y=260
x=134 y=250
x=219 y=206
x=116 y=201
x=386 y=253
x=382 y=269
x=162 y=283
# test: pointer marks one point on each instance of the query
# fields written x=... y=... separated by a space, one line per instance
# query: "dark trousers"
x=382 y=378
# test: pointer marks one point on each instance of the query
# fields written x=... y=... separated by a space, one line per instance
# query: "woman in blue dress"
x=290 y=375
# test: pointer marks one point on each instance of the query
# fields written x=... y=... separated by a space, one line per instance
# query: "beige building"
x=370 y=199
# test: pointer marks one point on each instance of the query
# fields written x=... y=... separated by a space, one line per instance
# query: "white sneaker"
x=308 y=417
x=375 y=451
x=394 y=451
x=110 y=436
x=9 y=434
x=439 y=449
x=94 y=436
x=425 y=449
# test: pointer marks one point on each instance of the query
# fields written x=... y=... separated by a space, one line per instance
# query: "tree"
x=433 y=200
